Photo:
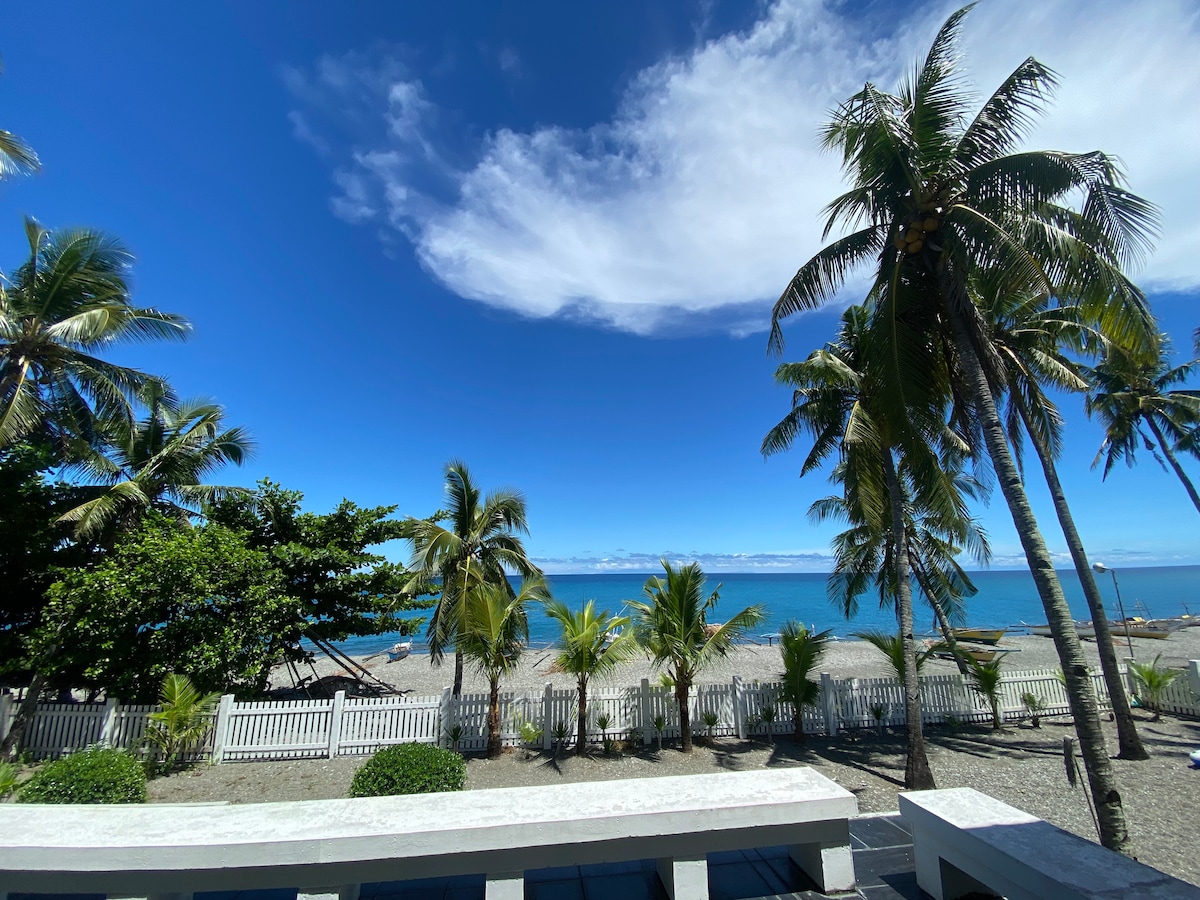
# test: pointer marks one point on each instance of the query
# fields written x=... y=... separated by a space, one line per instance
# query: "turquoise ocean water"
x=1004 y=598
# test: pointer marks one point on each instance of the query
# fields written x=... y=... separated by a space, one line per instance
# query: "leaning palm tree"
x=69 y=301
x=157 y=463
x=1030 y=336
x=672 y=626
x=592 y=645
x=938 y=194
x=480 y=541
x=493 y=635
x=1130 y=392
x=801 y=650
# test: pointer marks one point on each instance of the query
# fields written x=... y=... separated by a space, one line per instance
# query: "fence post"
x=547 y=709
x=335 y=723
x=646 y=714
x=6 y=705
x=108 y=727
x=739 y=708
x=221 y=728
x=445 y=718
x=1193 y=675
x=829 y=705
x=1130 y=681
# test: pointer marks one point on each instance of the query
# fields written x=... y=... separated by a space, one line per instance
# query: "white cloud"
x=704 y=192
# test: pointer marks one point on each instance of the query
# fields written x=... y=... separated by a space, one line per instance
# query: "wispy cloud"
x=702 y=194
x=633 y=562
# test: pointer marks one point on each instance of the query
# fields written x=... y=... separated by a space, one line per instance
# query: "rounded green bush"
x=409 y=769
x=95 y=775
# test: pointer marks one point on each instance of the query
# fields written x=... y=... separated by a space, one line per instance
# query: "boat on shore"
x=979 y=654
x=980 y=635
x=1135 y=629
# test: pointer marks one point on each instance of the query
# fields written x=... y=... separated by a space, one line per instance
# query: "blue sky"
x=545 y=238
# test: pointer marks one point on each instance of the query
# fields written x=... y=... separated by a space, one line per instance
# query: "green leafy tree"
x=32 y=543
x=494 y=633
x=326 y=561
x=182 y=721
x=481 y=540
x=939 y=193
x=592 y=645
x=67 y=302
x=801 y=651
x=170 y=598
x=157 y=463
x=1130 y=393
x=672 y=626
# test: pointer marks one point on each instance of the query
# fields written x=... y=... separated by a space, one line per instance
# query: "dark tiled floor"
x=883 y=865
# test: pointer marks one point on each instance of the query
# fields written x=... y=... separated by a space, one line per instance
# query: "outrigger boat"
x=1135 y=629
x=980 y=635
x=399 y=650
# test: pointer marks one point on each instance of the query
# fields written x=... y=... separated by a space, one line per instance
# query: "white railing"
x=349 y=726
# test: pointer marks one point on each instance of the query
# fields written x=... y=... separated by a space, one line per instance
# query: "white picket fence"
x=350 y=726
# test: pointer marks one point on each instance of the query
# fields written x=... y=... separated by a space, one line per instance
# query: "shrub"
x=94 y=775
x=410 y=769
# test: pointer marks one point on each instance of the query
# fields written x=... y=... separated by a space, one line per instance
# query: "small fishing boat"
x=980 y=635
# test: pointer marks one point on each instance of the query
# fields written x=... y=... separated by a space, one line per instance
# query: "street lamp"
x=1102 y=568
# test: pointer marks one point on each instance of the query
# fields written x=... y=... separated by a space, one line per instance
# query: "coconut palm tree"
x=1153 y=681
x=592 y=645
x=1030 y=336
x=801 y=650
x=986 y=679
x=493 y=635
x=938 y=194
x=67 y=302
x=836 y=399
x=183 y=720
x=480 y=540
x=1131 y=392
x=157 y=463
x=672 y=627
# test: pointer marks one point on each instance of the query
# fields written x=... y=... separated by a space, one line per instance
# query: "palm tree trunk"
x=493 y=722
x=1127 y=736
x=917 y=774
x=581 y=724
x=1107 y=799
x=1169 y=454
x=685 y=721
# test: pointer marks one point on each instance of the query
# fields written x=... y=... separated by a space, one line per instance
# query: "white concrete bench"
x=334 y=846
x=966 y=842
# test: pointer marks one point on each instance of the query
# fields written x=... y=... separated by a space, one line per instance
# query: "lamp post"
x=1101 y=567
